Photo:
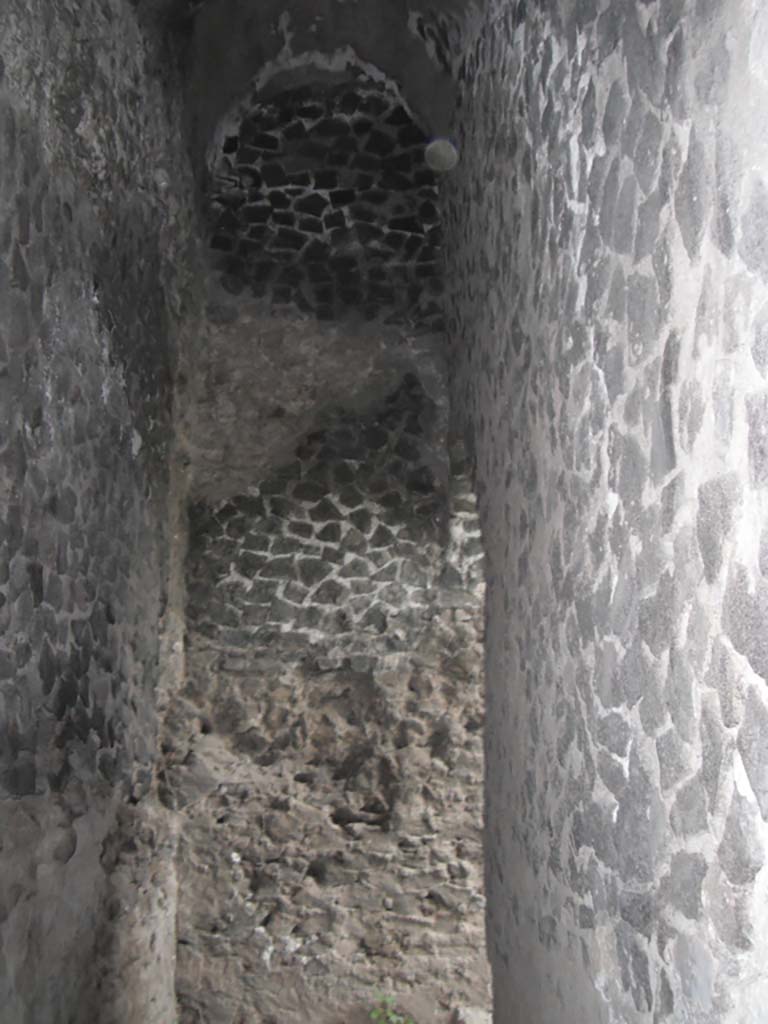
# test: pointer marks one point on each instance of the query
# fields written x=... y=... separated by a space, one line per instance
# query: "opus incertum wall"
x=85 y=378
x=609 y=279
x=321 y=199
x=326 y=751
x=318 y=549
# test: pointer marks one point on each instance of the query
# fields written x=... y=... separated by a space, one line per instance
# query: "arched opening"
x=320 y=199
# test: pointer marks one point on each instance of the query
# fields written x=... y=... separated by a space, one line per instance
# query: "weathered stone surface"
x=691 y=196
x=648 y=152
x=718 y=500
x=633 y=966
x=682 y=886
x=672 y=760
x=725 y=676
x=753 y=736
x=760 y=341
x=754 y=225
x=614 y=567
x=351 y=227
x=757 y=421
x=643 y=316
x=689 y=812
x=741 y=853
x=367 y=707
x=610 y=189
x=744 y=610
x=93 y=265
x=639 y=827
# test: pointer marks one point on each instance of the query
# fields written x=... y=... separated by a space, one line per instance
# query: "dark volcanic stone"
x=279 y=200
x=379 y=143
x=638 y=909
x=326 y=179
x=262 y=140
x=712 y=747
x=35 y=574
x=331 y=127
x=689 y=812
x=324 y=511
x=20 y=779
x=757 y=421
x=745 y=611
x=647 y=226
x=412 y=225
x=753 y=247
x=624 y=224
x=342 y=196
x=330 y=592
x=752 y=744
x=644 y=316
x=728 y=168
x=741 y=853
x=672 y=761
x=692 y=197
x=643 y=57
x=613 y=117
x=760 y=341
x=311 y=224
x=312 y=204
x=648 y=152
x=47 y=667
x=681 y=888
x=312 y=570
x=639 y=826
x=273 y=174
x=679 y=693
x=718 y=500
x=287 y=238
x=675 y=85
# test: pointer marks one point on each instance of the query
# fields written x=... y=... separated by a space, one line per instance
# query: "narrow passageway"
x=383 y=511
x=325 y=748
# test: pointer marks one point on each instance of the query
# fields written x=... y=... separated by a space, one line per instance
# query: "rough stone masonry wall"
x=607 y=235
x=321 y=199
x=87 y=302
x=325 y=753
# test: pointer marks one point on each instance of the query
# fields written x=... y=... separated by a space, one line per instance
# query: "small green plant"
x=386 y=1012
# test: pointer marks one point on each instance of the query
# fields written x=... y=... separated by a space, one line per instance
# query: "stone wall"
x=233 y=47
x=320 y=199
x=606 y=235
x=88 y=295
x=325 y=753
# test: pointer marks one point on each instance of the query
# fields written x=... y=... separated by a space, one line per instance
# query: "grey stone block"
x=740 y=853
x=692 y=196
x=753 y=736
x=644 y=316
x=681 y=888
x=757 y=423
x=718 y=501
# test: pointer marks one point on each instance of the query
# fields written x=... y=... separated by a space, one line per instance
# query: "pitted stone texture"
x=341 y=543
x=89 y=281
x=321 y=199
x=326 y=752
x=607 y=355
